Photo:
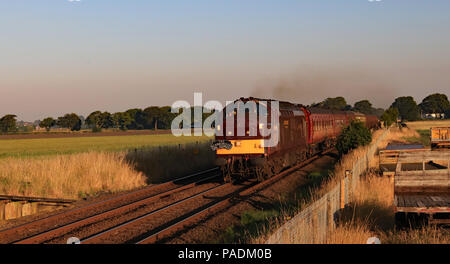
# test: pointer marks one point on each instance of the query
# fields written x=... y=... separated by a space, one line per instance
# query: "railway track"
x=86 y=214
x=145 y=216
x=218 y=206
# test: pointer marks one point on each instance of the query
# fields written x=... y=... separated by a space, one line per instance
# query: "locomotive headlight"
x=261 y=125
x=218 y=127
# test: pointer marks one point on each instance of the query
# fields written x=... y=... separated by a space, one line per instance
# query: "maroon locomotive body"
x=301 y=133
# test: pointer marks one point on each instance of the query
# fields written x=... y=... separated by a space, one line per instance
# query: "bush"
x=96 y=129
x=353 y=136
x=390 y=116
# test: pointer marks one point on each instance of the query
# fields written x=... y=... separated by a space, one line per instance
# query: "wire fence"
x=314 y=223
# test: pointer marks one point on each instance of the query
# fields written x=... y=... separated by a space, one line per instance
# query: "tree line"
x=149 y=118
x=154 y=117
x=404 y=108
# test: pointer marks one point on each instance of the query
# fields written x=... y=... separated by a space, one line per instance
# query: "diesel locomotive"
x=297 y=133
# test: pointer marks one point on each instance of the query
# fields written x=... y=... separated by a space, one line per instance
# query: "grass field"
x=72 y=145
x=423 y=129
x=426 y=125
x=81 y=175
x=78 y=167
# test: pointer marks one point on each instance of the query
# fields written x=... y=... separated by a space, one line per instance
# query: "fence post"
x=314 y=227
x=342 y=193
x=348 y=174
x=330 y=216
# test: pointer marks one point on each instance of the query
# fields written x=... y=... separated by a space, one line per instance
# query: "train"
x=301 y=133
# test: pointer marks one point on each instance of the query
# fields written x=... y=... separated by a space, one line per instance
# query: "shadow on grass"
x=375 y=215
x=161 y=164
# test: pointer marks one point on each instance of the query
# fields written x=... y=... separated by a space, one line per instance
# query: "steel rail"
x=153 y=212
x=61 y=230
x=153 y=238
x=105 y=202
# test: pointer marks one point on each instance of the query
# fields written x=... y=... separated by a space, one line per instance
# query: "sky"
x=60 y=56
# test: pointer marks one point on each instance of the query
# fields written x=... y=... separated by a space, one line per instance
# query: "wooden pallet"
x=422 y=183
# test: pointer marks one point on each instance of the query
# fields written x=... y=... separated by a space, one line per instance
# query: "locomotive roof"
x=318 y=110
x=283 y=104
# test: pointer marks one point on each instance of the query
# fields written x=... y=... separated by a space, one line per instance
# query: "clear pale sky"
x=60 y=57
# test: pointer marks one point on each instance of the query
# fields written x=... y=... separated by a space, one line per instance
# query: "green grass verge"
x=71 y=145
x=424 y=138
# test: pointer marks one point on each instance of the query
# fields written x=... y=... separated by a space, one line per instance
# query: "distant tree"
x=389 y=116
x=353 y=136
x=98 y=120
x=107 y=120
x=348 y=108
x=364 y=107
x=337 y=103
x=137 y=118
x=8 y=123
x=93 y=119
x=435 y=103
x=47 y=123
x=158 y=117
x=121 y=120
x=407 y=108
x=70 y=121
x=378 y=112
x=167 y=117
x=152 y=115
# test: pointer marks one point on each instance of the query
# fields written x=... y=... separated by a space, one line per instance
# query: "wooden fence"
x=314 y=223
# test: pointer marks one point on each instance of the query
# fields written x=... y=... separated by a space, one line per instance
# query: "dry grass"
x=425 y=235
x=371 y=213
x=76 y=176
x=68 y=176
x=346 y=163
x=170 y=162
x=350 y=233
x=424 y=125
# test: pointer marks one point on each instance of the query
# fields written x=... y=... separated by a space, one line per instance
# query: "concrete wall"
x=11 y=209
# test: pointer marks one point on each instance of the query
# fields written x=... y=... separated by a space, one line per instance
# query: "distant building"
x=433 y=115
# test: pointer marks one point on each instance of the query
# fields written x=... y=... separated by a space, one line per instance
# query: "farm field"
x=82 y=133
x=423 y=130
x=80 y=167
x=425 y=125
x=72 y=145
